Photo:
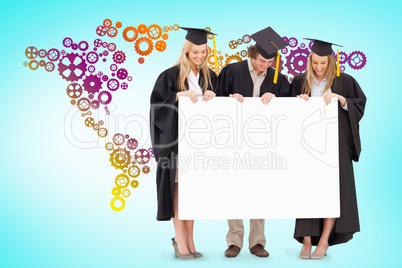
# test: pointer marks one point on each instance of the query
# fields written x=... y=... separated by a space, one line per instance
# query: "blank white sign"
x=253 y=161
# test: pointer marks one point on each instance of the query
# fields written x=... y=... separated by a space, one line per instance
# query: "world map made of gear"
x=90 y=88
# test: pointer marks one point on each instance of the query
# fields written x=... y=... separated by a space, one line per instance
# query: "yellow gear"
x=122 y=180
x=113 y=206
x=116 y=191
x=134 y=183
x=126 y=193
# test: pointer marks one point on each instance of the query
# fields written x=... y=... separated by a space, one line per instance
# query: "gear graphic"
x=243 y=53
x=165 y=29
x=118 y=139
x=122 y=180
x=165 y=37
x=42 y=53
x=74 y=90
x=102 y=132
x=141 y=60
x=145 y=169
x=91 y=68
x=92 y=84
x=119 y=57
x=111 y=47
x=239 y=41
x=284 y=50
x=143 y=52
x=53 y=54
x=109 y=146
x=343 y=57
x=113 y=206
x=94 y=104
x=96 y=127
x=246 y=39
x=134 y=183
x=296 y=62
x=233 y=44
x=72 y=67
x=67 y=42
x=142 y=156
x=113 y=84
x=104 y=97
x=160 y=45
x=31 y=52
x=113 y=67
x=142 y=29
x=128 y=29
x=342 y=68
x=176 y=27
x=132 y=144
x=122 y=73
x=119 y=24
x=89 y=122
x=105 y=78
x=151 y=152
x=134 y=171
x=232 y=57
x=124 y=86
x=126 y=193
x=292 y=42
x=112 y=32
x=97 y=42
x=154 y=31
x=83 y=104
x=310 y=44
x=49 y=66
x=116 y=191
x=101 y=30
x=120 y=158
x=92 y=57
x=357 y=60
x=107 y=23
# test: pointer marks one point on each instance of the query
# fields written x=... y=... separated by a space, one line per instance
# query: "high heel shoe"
x=304 y=256
x=178 y=254
x=320 y=256
x=196 y=254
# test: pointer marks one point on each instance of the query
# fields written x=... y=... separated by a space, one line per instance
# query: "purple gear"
x=124 y=85
x=122 y=73
x=97 y=42
x=310 y=44
x=49 y=66
x=72 y=67
x=67 y=42
x=91 y=68
x=105 y=78
x=83 y=43
x=104 y=44
x=284 y=50
x=343 y=57
x=42 y=53
x=107 y=94
x=92 y=57
x=113 y=67
x=100 y=74
x=94 y=104
x=105 y=53
x=342 y=68
x=119 y=57
x=63 y=52
x=53 y=54
x=92 y=83
x=357 y=60
x=293 y=42
x=132 y=144
x=113 y=84
x=74 y=46
x=111 y=47
x=296 y=62
x=286 y=39
x=302 y=45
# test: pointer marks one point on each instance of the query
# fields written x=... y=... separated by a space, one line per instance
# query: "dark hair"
x=252 y=52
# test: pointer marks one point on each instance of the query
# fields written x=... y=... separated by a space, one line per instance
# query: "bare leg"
x=179 y=228
x=306 y=249
x=323 y=243
x=188 y=228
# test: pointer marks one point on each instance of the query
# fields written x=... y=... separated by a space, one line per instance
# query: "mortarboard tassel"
x=277 y=67
x=338 y=73
x=215 y=58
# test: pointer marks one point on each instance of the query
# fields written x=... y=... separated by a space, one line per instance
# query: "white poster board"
x=253 y=161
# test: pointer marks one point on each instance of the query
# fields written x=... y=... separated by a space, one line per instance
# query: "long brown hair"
x=330 y=74
x=184 y=63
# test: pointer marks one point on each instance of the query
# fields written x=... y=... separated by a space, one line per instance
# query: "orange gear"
x=154 y=31
x=107 y=23
x=165 y=36
x=142 y=29
x=102 y=132
x=165 y=29
x=145 y=169
x=126 y=30
x=176 y=27
x=233 y=57
x=143 y=52
x=109 y=146
x=119 y=24
x=170 y=28
x=160 y=45
x=209 y=59
x=243 y=53
x=72 y=102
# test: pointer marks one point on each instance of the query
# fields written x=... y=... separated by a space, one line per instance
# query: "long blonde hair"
x=330 y=75
x=184 y=63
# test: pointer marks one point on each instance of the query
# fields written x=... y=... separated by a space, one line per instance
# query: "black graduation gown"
x=164 y=134
x=349 y=149
x=235 y=78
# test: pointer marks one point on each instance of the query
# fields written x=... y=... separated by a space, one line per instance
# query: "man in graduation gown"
x=253 y=78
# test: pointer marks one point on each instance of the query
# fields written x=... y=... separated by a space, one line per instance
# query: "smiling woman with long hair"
x=323 y=79
x=189 y=77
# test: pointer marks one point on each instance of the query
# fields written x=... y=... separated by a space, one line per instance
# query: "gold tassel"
x=278 y=59
x=215 y=57
x=338 y=73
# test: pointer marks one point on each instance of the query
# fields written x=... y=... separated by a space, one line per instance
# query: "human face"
x=260 y=64
x=320 y=65
x=197 y=54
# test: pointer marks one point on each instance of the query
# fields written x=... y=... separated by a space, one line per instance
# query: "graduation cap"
x=323 y=48
x=268 y=44
x=198 y=36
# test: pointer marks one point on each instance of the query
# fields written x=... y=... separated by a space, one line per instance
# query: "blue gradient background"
x=55 y=196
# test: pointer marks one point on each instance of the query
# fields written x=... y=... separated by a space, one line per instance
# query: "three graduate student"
x=191 y=77
x=323 y=78
x=253 y=78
